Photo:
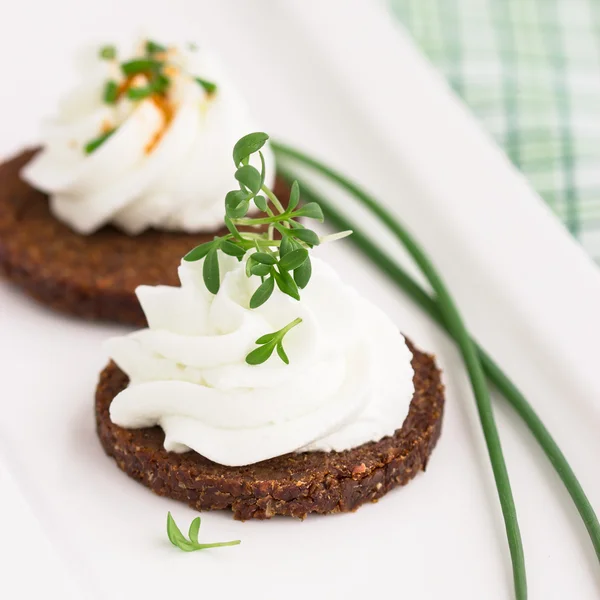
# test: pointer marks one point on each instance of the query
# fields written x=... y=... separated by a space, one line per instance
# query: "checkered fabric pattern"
x=530 y=71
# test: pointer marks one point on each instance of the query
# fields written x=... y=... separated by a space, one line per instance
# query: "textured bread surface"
x=92 y=276
x=295 y=484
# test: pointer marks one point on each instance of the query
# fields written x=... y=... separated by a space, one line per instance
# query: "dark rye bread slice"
x=91 y=276
x=293 y=485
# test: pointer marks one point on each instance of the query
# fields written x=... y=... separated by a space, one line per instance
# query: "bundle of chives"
x=443 y=311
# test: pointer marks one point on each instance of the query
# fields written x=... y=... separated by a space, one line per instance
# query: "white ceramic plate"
x=337 y=78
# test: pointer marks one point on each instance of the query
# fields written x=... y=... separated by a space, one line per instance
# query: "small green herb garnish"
x=140 y=65
x=139 y=93
x=208 y=86
x=160 y=83
x=267 y=343
x=283 y=262
x=108 y=52
x=154 y=48
x=111 y=92
x=97 y=142
x=155 y=72
x=191 y=545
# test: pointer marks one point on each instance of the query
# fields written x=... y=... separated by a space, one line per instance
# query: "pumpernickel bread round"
x=295 y=484
x=91 y=276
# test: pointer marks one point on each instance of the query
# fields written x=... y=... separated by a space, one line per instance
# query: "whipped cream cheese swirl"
x=349 y=380
x=168 y=163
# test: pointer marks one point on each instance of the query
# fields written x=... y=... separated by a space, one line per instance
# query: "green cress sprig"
x=191 y=545
x=153 y=64
x=283 y=262
x=108 y=52
x=97 y=142
x=269 y=342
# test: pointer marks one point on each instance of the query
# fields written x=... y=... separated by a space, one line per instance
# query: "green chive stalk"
x=455 y=324
x=496 y=376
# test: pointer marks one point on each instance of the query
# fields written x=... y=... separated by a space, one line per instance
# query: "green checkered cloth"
x=530 y=71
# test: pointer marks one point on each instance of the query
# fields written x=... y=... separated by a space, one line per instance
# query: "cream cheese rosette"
x=144 y=142
x=349 y=379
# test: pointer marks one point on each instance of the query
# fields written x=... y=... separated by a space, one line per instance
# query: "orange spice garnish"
x=158 y=99
x=147 y=79
x=168 y=111
x=171 y=70
x=130 y=81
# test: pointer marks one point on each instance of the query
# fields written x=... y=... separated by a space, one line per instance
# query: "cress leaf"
x=176 y=537
x=194 y=530
x=312 y=211
x=248 y=145
x=262 y=293
x=108 y=52
x=198 y=252
x=308 y=236
x=286 y=284
x=261 y=203
x=268 y=337
x=294 y=196
x=250 y=177
x=286 y=246
x=260 y=355
x=208 y=86
x=272 y=341
x=263 y=169
x=111 y=92
x=264 y=258
x=139 y=93
x=260 y=270
x=282 y=355
x=249 y=265
x=303 y=273
x=210 y=271
x=293 y=259
x=160 y=83
x=94 y=144
x=232 y=249
x=237 y=204
x=173 y=532
x=179 y=540
x=152 y=47
x=140 y=65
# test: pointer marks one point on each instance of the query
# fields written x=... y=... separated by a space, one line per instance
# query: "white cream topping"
x=349 y=380
x=168 y=165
